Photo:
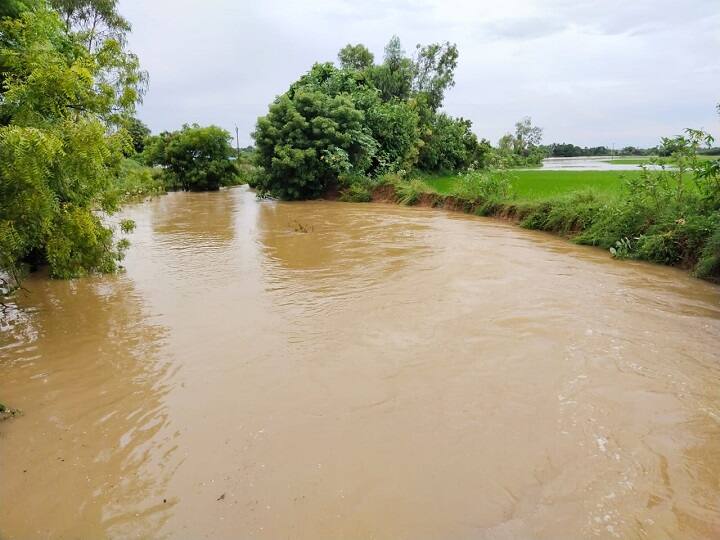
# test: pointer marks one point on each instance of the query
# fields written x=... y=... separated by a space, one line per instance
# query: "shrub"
x=408 y=192
x=483 y=186
x=709 y=263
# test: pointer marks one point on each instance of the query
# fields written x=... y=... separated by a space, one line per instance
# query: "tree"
x=362 y=120
x=394 y=127
x=434 y=71
x=451 y=145
x=59 y=149
x=527 y=136
x=394 y=77
x=356 y=57
x=314 y=133
x=194 y=158
x=13 y=8
x=138 y=132
x=93 y=20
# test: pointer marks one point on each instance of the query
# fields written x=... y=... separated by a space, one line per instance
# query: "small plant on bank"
x=356 y=188
x=408 y=192
x=480 y=186
x=622 y=249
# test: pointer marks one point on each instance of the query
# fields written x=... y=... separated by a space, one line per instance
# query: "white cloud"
x=615 y=72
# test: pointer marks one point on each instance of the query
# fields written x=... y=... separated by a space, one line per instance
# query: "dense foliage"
x=363 y=120
x=62 y=103
x=671 y=216
x=194 y=158
x=138 y=132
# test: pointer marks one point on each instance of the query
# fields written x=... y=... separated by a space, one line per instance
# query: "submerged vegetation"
x=193 y=159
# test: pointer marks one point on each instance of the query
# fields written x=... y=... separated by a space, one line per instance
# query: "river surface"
x=390 y=373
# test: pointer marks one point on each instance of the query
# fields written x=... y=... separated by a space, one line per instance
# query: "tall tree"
x=394 y=77
x=356 y=57
x=527 y=136
x=435 y=71
x=94 y=20
x=59 y=153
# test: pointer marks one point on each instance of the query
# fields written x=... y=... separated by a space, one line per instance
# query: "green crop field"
x=536 y=184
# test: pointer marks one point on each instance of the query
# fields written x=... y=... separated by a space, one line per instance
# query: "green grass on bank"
x=530 y=185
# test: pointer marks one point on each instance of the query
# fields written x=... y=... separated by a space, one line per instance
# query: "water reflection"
x=79 y=343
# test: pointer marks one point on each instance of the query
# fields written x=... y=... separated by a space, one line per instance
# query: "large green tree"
x=362 y=120
x=60 y=146
x=313 y=133
x=435 y=71
x=93 y=21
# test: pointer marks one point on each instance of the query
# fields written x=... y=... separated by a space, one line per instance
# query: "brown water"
x=392 y=373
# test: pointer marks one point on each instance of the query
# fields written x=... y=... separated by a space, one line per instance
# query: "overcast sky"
x=612 y=72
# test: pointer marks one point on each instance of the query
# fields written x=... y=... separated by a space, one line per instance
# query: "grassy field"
x=537 y=185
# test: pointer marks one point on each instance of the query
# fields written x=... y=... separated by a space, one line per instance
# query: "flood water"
x=592 y=163
x=390 y=373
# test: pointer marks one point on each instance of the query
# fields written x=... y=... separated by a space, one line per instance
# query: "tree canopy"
x=61 y=143
x=363 y=119
x=194 y=158
x=355 y=57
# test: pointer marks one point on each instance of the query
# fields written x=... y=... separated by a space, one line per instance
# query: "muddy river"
x=328 y=370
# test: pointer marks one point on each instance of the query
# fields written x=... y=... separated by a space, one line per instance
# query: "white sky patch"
x=614 y=72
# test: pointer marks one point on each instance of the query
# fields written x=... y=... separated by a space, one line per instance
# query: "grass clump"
x=409 y=191
x=356 y=188
x=565 y=215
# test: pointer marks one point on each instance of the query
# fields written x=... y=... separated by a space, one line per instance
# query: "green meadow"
x=533 y=185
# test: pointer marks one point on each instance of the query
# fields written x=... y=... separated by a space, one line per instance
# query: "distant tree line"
x=572 y=150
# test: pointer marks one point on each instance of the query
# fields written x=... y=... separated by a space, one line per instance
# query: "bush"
x=356 y=193
x=483 y=186
x=709 y=264
x=408 y=192
x=136 y=181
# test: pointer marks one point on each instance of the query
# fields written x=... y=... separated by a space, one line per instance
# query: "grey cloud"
x=523 y=28
x=592 y=73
